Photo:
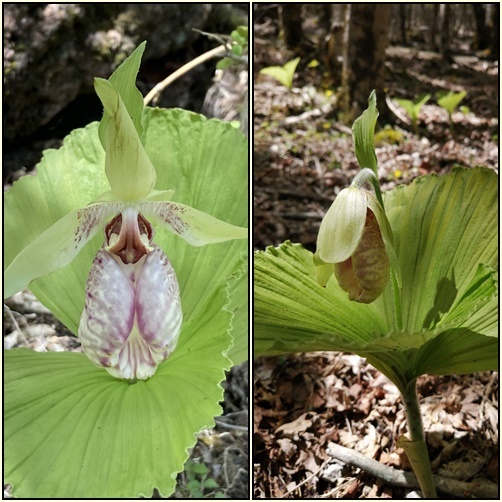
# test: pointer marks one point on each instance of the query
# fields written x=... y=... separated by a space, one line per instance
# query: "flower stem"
x=367 y=175
x=415 y=447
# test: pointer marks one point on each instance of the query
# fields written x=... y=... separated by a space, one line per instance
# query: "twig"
x=243 y=428
x=330 y=494
x=227 y=42
x=184 y=69
x=302 y=118
x=396 y=111
x=307 y=479
x=479 y=488
x=484 y=399
x=8 y=311
x=234 y=414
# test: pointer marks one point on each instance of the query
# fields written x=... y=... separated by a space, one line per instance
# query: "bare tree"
x=444 y=16
x=495 y=43
x=365 y=41
x=402 y=22
x=334 y=46
x=434 y=28
x=482 y=30
x=291 y=20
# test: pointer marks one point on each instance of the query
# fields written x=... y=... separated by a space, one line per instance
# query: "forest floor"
x=303 y=157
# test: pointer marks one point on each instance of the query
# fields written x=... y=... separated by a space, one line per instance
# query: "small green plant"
x=238 y=42
x=370 y=287
x=413 y=108
x=389 y=136
x=449 y=101
x=283 y=74
x=197 y=483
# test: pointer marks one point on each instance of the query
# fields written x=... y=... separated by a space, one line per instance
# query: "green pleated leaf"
x=73 y=431
x=293 y=313
x=237 y=288
x=445 y=232
x=444 y=228
x=205 y=162
x=67 y=179
x=471 y=307
x=458 y=351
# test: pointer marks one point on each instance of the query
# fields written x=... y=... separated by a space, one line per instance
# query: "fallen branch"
x=397 y=111
x=292 y=193
x=306 y=480
x=479 y=488
x=290 y=215
x=301 y=118
x=218 y=51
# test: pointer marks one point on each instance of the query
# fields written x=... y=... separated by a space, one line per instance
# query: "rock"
x=227 y=98
x=53 y=51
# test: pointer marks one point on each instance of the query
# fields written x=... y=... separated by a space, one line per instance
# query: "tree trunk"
x=402 y=22
x=444 y=16
x=291 y=20
x=334 y=53
x=482 y=31
x=434 y=29
x=327 y=14
x=495 y=42
x=365 y=39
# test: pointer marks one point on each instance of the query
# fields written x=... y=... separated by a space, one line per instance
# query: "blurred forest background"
x=303 y=149
x=435 y=71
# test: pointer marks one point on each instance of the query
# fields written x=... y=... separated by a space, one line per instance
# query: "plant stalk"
x=415 y=447
x=218 y=51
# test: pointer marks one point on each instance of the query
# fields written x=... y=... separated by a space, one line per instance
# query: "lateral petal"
x=57 y=246
x=194 y=226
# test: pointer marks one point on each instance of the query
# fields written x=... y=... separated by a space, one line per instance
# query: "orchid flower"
x=132 y=316
x=355 y=242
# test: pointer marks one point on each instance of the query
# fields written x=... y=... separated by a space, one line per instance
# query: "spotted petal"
x=57 y=246
x=194 y=226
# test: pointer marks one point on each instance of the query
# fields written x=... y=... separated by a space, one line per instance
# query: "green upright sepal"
x=124 y=81
x=363 y=133
x=128 y=167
